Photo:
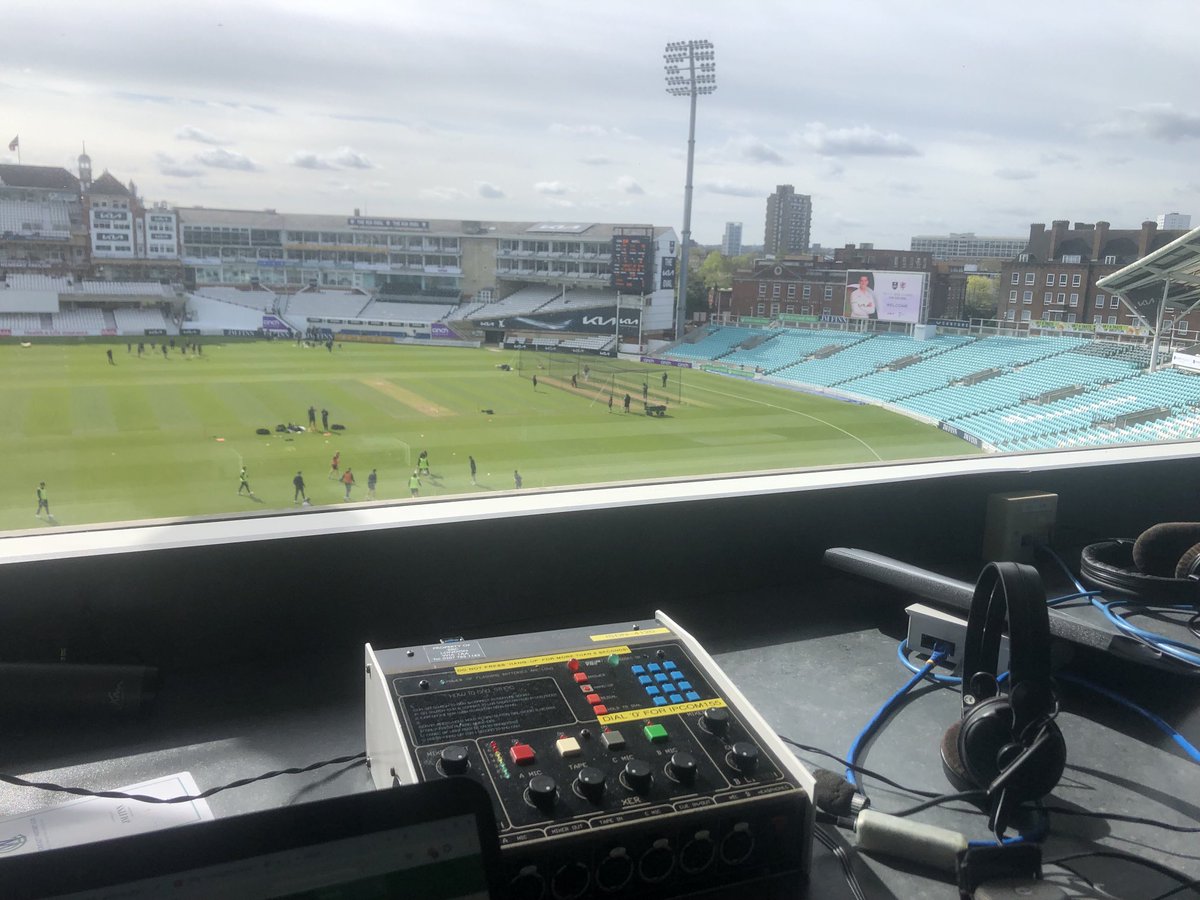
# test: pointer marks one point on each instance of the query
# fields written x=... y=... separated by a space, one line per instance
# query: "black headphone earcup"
x=952 y=761
x=1189 y=563
x=985 y=730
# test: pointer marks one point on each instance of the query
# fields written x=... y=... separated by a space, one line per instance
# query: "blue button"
x=660 y=677
x=652 y=690
x=677 y=698
x=684 y=685
x=654 y=667
x=644 y=679
x=677 y=675
x=637 y=670
x=668 y=666
x=660 y=701
x=692 y=695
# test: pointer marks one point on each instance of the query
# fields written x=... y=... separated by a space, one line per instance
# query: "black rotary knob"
x=638 y=775
x=454 y=759
x=542 y=791
x=744 y=757
x=682 y=767
x=716 y=721
x=591 y=782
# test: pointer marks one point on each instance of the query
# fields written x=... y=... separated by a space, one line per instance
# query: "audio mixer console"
x=621 y=761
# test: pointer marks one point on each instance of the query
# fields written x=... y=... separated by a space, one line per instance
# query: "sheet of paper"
x=100 y=818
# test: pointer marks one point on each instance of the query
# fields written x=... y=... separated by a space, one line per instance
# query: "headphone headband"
x=1012 y=591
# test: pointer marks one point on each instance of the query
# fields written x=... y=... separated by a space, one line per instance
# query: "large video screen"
x=633 y=264
x=886 y=296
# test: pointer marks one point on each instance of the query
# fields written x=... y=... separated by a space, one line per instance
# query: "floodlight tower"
x=691 y=70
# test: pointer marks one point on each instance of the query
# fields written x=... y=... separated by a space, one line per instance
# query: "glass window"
x=762 y=289
x=762 y=308
x=1074 y=298
x=1062 y=298
x=1049 y=279
x=1112 y=320
x=1075 y=280
x=1027 y=297
x=1012 y=296
x=1016 y=277
x=1115 y=303
x=1025 y=315
x=1048 y=297
x=829 y=292
x=1029 y=277
x=1062 y=279
x=1099 y=301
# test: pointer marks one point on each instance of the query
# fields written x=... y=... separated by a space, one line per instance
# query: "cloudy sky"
x=899 y=118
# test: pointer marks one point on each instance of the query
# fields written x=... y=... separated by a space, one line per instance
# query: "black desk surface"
x=816 y=661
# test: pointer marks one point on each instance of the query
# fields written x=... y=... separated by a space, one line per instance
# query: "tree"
x=981 y=297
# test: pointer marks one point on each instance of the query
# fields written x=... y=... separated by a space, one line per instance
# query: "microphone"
x=833 y=793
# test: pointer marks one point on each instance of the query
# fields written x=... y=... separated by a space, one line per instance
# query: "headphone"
x=1007 y=745
x=1161 y=567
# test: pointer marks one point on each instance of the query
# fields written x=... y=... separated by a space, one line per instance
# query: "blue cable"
x=902 y=652
x=1162 y=725
x=884 y=711
x=1178 y=650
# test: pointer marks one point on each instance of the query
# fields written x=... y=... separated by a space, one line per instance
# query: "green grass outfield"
x=140 y=439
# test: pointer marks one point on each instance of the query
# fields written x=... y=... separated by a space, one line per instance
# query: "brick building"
x=1054 y=278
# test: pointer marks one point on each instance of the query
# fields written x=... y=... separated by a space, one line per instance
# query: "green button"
x=655 y=732
x=614 y=660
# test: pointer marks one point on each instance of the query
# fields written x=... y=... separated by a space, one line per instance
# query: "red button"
x=573 y=665
x=521 y=754
x=580 y=677
x=593 y=699
x=586 y=688
x=600 y=709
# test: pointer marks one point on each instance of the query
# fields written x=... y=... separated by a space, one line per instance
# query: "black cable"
x=1193 y=624
x=938 y=801
x=834 y=846
x=185 y=798
x=861 y=769
x=1183 y=880
x=1121 y=817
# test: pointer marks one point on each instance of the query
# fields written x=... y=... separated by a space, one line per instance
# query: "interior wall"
x=224 y=604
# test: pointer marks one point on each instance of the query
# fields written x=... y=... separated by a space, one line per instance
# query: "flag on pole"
x=14 y=143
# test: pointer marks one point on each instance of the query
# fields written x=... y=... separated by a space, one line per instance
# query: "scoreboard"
x=633 y=264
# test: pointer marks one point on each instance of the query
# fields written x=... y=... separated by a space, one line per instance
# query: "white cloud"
x=220 y=158
x=489 y=191
x=306 y=159
x=1015 y=174
x=627 y=185
x=861 y=140
x=731 y=189
x=1161 y=121
x=443 y=193
x=596 y=161
x=349 y=158
x=199 y=135
x=169 y=166
x=550 y=187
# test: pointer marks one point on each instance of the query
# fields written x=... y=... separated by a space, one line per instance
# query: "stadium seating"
x=861 y=356
x=320 y=304
x=125 y=288
x=23 y=281
x=134 y=320
x=520 y=302
x=784 y=347
x=716 y=343
x=89 y=320
x=47 y=218
x=266 y=301
x=407 y=312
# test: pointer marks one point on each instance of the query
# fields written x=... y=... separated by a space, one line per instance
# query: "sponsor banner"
x=884 y=296
x=600 y=320
x=754 y=320
x=441 y=332
x=1123 y=329
x=951 y=323
x=793 y=319
x=657 y=360
x=358 y=337
x=836 y=320
x=5 y=332
x=1055 y=325
x=734 y=371
x=229 y=332
x=154 y=331
x=274 y=323
x=667 y=282
x=367 y=222
x=189 y=330
x=957 y=432
x=271 y=263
